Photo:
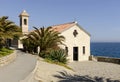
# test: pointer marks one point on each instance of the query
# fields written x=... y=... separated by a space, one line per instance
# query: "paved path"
x=46 y=72
x=101 y=70
x=87 y=71
x=18 y=70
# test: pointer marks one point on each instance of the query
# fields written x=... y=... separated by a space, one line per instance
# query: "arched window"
x=25 y=21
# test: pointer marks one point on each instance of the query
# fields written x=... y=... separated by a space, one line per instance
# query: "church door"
x=75 y=53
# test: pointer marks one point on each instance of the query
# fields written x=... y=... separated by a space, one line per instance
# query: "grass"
x=5 y=51
x=58 y=63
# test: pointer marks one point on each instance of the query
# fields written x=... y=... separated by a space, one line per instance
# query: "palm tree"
x=8 y=30
x=45 y=38
x=29 y=45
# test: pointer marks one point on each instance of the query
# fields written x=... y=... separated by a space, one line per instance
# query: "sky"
x=101 y=18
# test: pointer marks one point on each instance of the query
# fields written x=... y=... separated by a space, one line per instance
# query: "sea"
x=107 y=49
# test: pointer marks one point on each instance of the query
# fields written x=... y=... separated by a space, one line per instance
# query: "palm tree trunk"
x=38 y=50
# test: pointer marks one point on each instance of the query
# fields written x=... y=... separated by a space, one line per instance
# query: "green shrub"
x=43 y=54
x=5 y=51
x=58 y=56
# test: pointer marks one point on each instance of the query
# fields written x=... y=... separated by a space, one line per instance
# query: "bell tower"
x=24 y=17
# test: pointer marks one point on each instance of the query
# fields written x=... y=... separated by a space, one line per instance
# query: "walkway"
x=87 y=71
x=18 y=70
x=108 y=72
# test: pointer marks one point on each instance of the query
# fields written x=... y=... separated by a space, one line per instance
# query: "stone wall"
x=105 y=59
x=7 y=59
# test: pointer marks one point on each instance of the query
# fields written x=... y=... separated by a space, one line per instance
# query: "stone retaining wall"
x=7 y=59
x=105 y=59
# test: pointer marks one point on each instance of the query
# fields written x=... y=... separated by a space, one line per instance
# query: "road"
x=18 y=70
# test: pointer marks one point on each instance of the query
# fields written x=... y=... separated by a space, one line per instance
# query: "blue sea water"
x=106 y=49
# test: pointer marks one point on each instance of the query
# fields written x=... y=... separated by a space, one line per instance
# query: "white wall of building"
x=82 y=39
x=20 y=45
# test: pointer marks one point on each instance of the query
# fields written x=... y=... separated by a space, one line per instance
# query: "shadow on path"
x=66 y=77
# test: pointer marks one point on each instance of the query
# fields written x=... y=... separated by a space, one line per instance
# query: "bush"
x=3 y=54
x=5 y=51
x=57 y=56
x=43 y=54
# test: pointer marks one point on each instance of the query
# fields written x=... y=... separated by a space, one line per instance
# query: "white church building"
x=77 y=40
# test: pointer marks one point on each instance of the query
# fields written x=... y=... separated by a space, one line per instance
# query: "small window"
x=66 y=50
x=83 y=49
x=25 y=21
x=20 y=21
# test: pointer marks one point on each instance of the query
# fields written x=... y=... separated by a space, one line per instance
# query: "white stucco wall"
x=82 y=39
x=20 y=45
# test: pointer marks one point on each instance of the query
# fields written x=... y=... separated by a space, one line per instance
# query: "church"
x=77 y=40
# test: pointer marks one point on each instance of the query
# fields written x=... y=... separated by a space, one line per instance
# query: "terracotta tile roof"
x=65 y=26
x=62 y=27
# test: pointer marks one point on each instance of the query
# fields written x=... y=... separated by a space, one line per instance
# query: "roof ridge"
x=64 y=23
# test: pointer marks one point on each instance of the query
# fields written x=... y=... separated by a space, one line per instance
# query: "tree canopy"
x=8 y=30
x=45 y=38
